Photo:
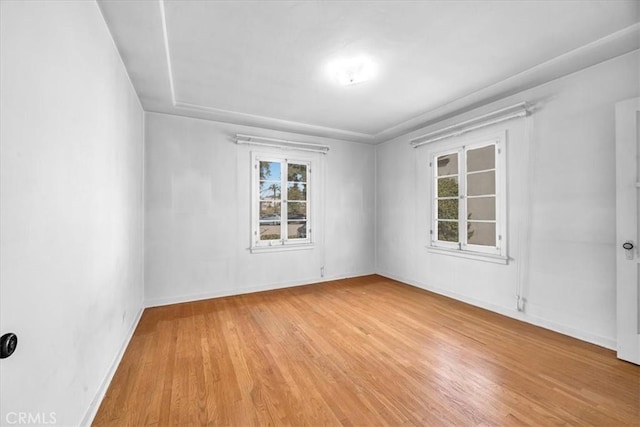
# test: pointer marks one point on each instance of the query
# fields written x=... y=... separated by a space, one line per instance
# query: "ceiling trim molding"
x=611 y=46
x=608 y=47
x=247 y=119
x=165 y=36
x=117 y=50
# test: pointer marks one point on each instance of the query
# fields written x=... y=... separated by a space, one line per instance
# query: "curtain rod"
x=281 y=143
x=508 y=113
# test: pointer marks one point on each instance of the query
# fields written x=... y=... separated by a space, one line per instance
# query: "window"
x=468 y=198
x=281 y=202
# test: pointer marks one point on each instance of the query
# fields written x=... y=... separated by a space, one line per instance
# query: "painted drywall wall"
x=561 y=207
x=197 y=228
x=71 y=144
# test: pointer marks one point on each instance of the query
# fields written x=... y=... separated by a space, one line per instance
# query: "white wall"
x=198 y=213
x=71 y=157
x=71 y=144
x=561 y=196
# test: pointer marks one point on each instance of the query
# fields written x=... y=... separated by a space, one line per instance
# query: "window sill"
x=478 y=256
x=281 y=248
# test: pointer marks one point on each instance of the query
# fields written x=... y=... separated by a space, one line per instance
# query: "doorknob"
x=8 y=344
x=628 y=246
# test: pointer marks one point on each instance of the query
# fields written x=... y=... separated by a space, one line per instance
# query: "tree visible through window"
x=466 y=198
x=283 y=202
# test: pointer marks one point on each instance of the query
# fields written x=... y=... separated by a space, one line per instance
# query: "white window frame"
x=462 y=248
x=284 y=243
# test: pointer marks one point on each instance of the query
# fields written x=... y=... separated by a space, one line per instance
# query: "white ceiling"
x=264 y=63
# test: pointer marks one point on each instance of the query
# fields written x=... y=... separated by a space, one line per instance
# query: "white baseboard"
x=156 y=302
x=513 y=313
x=97 y=400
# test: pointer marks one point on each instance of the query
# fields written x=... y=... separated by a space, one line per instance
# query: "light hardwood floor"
x=361 y=352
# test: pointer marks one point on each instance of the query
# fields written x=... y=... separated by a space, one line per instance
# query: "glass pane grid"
x=481 y=233
x=297 y=211
x=270 y=232
x=481 y=183
x=448 y=209
x=296 y=175
x=448 y=231
x=447 y=165
x=481 y=158
x=283 y=201
x=473 y=190
x=270 y=190
x=270 y=171
x=297 y=191
x=447 y=187
x=297 y=203
x=297 y=230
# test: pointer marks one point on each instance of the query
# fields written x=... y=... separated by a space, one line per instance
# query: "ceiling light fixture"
x=348 y=71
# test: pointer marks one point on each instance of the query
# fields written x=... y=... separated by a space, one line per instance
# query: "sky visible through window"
x=283 y=215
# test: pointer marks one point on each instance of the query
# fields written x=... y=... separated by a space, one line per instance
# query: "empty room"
x=306 y=213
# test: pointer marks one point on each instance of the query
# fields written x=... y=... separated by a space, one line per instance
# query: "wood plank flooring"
x=360 y=352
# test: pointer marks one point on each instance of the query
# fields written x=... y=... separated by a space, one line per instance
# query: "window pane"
x=448 y=209
x=297 y=210
x=297 y=173
x=296 y=191
x=482 y=183
x=448 y=165
x=297 y=229
x=481 y=233
x=481 y=158
x=270 y=231
x=270 y=211
x=270 y=190
x=448 y=187
x=270 y=171
x=481 y=208
x=448 y=231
